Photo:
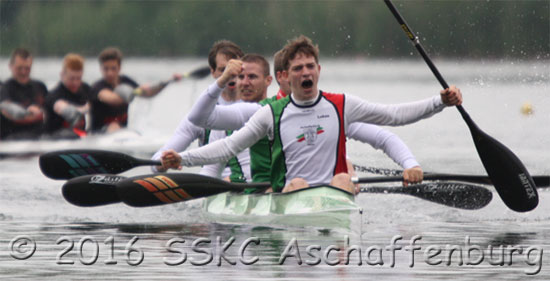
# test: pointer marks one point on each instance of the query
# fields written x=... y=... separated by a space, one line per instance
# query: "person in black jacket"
x=21 y=100
x=67 y=104
x=112 y=94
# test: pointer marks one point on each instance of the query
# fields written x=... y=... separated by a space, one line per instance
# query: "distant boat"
x=125 y=140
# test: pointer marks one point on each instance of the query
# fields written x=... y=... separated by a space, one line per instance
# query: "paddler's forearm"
x=222 y=150
x=214 y=152
x=358 y=110
x=184 y=135
x=384 y=140
x=205 y=105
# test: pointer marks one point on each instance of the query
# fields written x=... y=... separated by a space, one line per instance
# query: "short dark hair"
x=299 y=45
x=259 y=59
x=110 y=53
x=278 y=61
x=20 y=52
x=226 y=47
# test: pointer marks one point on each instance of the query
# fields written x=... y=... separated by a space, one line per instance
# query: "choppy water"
x=66 y=236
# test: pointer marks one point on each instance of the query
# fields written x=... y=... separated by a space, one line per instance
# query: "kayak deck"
x=319 y=206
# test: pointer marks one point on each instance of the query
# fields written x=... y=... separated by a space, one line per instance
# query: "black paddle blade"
x=200 y=73
x=458 y=195
x=159 y=189
x=92 y=190
x=67 y=164
x=510 y=178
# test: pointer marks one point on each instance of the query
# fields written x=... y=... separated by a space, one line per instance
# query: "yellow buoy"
x=527 y=108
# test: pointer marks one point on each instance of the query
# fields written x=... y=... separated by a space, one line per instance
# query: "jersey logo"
x=310 y=134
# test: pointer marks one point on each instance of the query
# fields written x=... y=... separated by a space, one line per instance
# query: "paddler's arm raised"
x=206 y=113
x=358 y=110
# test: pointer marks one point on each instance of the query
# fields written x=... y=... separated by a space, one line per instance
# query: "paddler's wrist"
x=214 y=90
x=223 y=80
x=410 y=163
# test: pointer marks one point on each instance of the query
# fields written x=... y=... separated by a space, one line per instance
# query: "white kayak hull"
x=323 y=207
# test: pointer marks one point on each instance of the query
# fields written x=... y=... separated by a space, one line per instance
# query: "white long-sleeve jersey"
x=263 y=122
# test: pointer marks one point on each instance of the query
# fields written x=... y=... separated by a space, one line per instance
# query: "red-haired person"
x=67 y=104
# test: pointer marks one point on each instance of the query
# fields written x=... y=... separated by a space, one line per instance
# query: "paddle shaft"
x=431 y=65
x=540 y=181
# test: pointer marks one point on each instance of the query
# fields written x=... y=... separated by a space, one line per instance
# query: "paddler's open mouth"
x=307 y=84
x=231 y=84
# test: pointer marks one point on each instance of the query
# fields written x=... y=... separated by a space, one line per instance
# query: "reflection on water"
x=192 y=251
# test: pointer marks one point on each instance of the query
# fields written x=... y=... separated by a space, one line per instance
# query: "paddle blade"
x=159 y=189
x=458 y=195
x=92 y=190
x=510 y=178
x=67 y=164
x=199 y=73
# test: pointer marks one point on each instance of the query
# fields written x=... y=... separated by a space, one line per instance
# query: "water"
x=68 y=239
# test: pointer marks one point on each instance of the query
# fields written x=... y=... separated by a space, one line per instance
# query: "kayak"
x=324 y=207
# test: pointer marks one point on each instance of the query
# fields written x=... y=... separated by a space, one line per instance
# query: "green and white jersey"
x=309 y=138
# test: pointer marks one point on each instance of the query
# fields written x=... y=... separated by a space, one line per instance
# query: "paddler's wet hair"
x=226 y=47
x=299 y=45
x=20 y=52
x=73 y=62
x=255 y=58
x=278 y=63
x=110 y=53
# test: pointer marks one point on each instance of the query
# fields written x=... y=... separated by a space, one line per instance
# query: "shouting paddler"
x=308 y=129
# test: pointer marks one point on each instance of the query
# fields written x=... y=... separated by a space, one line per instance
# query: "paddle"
x=509 y=176
x=198 y=73
x=159 y=189
x=66 y=164
x=540 y=181
x=146 y=190
x=458 y=195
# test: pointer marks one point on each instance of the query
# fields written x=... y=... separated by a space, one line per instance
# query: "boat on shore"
x=321 y=207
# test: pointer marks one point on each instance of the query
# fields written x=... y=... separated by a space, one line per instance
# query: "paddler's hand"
x=451 y=96
x=232 y=70
x=170 y=160
x=177 y=76
x=412 y=175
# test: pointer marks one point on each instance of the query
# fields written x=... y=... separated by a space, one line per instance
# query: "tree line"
x=472 y=29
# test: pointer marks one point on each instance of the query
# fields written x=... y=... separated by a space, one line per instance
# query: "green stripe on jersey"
x=278 y=163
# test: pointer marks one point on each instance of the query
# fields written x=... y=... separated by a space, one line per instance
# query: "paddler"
x=376 y=136
x=206 y=113
x=221 y=52
x=308 y=128
x=67 y=104
x=113 y=93
x=21 y=100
